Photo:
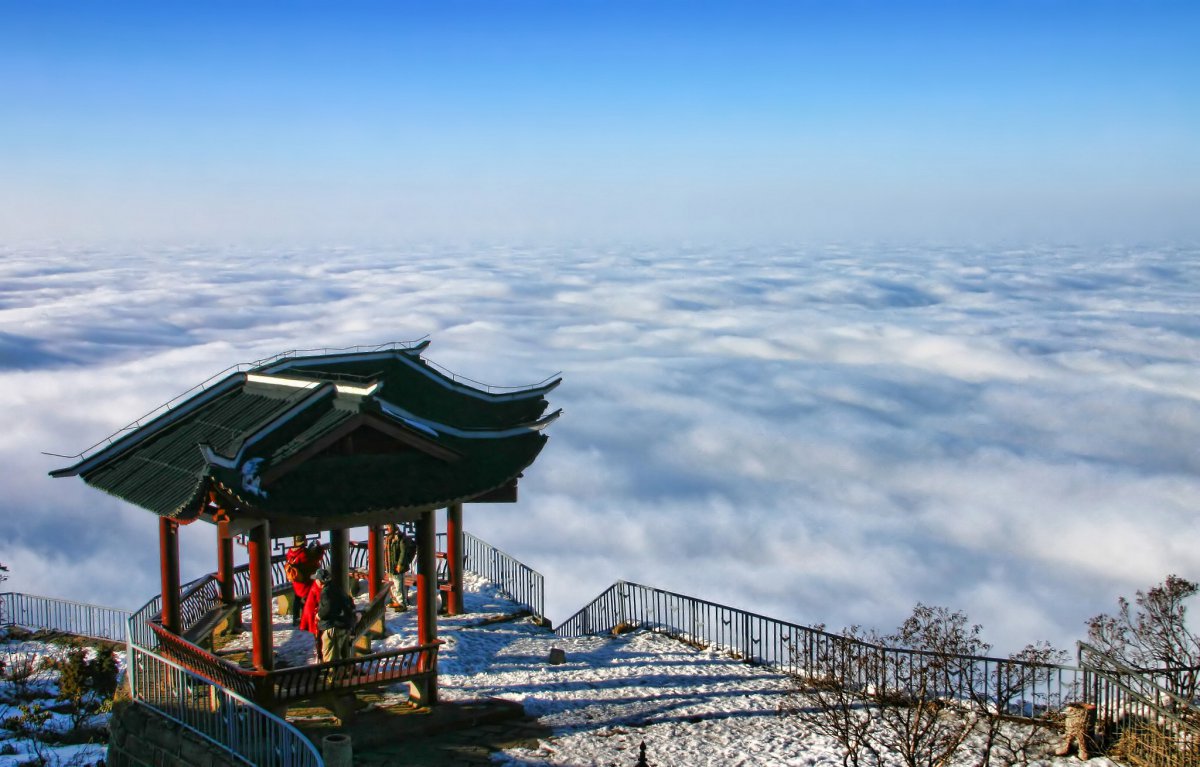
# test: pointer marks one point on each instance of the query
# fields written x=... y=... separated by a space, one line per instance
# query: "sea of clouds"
x=820 y=434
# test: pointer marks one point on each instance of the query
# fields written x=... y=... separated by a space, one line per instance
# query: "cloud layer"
x=821 y=434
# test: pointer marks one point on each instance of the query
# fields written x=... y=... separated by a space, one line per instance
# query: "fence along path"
x=218 y=715
x=1019 y=689
x=1157 y=726
x=50 y=614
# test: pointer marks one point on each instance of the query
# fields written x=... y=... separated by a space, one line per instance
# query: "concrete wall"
x=141 y=737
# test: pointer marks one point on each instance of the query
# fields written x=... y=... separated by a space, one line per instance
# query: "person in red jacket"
x=300 y=563
x=308 y=618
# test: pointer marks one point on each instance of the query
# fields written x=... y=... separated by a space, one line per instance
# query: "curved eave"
x=436 y=428
x=151 y=429
x=412 y=359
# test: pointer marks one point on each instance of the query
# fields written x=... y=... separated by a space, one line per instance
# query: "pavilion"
x=309 y=443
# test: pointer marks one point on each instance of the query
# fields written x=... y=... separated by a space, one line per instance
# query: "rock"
x=558 y=656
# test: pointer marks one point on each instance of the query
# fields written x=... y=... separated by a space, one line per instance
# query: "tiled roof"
x=330 y=435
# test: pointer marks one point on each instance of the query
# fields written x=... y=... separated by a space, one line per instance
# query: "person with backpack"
x=335 y=618
x=400 y=551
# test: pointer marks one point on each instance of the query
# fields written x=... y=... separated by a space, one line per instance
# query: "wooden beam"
x=454 y=557
x=259 y=549
x=168 y=561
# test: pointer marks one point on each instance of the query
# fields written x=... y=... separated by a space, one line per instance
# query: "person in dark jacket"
x=400 y=550
x=335 y=618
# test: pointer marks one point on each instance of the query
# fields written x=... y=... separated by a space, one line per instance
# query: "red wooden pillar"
x=427 y=590
x=168 y=560
x=374 y=560
x=454 y=557
x=225 y=561
x=259 y=549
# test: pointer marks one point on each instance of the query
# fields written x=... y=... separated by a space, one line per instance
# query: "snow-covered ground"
x=25 y=679
x=689 y=706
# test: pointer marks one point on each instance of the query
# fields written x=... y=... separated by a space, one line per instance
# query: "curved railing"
x=47 y=613
x=217 y=713
x=1016 y=688
x=228 y=715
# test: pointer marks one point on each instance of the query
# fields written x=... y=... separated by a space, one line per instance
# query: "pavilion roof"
x=309 y=441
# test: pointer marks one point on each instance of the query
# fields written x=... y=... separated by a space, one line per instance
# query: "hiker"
x=400 y=552
x=335 y=618
x=300 y=562
x=308 y=616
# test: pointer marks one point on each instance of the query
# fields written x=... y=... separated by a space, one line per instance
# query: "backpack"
x=408 y=552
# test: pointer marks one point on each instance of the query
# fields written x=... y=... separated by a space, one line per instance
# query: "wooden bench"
x=201 y=633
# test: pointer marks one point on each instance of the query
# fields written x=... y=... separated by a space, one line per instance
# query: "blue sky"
x=517 y=120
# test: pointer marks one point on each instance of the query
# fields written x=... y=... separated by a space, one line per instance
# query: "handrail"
x=279 y=686
x=222 y=717
x=48 y=613
x=1018 y=688
x=518 y=581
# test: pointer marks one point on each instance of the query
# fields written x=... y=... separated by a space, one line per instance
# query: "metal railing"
x=47 y=613
x=220 y=716
x=231 y=721
x=1148 y=722
x=1016 y=688
x=519 y=582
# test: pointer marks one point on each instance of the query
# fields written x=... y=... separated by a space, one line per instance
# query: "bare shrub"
x=1152 y=635
x=831 y=701
x=1012 y=696
x=921 y=718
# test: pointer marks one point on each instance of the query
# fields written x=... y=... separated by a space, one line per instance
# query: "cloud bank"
x=821 y=434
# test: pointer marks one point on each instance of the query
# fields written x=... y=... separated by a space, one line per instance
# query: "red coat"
x=302 y=562
x=308 y=618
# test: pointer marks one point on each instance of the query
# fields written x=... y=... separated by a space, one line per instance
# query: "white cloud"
x=820 y=434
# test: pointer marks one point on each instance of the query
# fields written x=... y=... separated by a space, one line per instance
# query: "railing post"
x=621 y=597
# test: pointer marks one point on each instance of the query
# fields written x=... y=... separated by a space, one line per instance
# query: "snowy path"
x=690 y=706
